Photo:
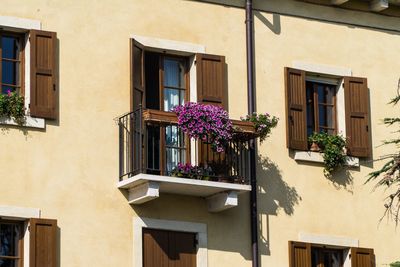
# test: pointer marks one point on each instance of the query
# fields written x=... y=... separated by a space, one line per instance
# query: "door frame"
x=200 y=229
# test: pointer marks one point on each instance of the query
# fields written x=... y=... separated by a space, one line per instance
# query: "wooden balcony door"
x=168 y=248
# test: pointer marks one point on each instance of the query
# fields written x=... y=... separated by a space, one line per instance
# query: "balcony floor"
x=219 y=195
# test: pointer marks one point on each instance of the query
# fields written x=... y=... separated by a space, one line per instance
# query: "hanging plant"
x=263 y=124
x=12 y=107
x=205 y=122
x=332 y=147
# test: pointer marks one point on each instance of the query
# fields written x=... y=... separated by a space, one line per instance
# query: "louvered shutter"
x=362 y=257
x=211 y=79
x=357 y=116
x=137 y=74
x=43 y=96
x=296 y=117
x=43 y=243
x=299 y=254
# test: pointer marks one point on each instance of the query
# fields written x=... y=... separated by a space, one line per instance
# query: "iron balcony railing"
x=138 y=141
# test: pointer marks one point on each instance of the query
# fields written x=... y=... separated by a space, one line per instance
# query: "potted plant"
x=12 y=107
x=333 y=149
x=263 y=123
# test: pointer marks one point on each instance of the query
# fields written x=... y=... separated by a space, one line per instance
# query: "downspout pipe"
x=252 y=147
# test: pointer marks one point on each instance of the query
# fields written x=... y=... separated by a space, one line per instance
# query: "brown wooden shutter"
x=357 y=116
x=211 y=79
x=43 y=243
x=362 y=257
x=43 y=96
x=299 y=254
x=137 y=74
x=168 y=249
x=296 y=117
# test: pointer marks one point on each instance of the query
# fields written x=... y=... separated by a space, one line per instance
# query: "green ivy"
x=332 y=147
x=395 y=264
x=12 y=107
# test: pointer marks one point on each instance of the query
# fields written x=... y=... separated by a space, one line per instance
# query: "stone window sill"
x=30 y=122
x=317 y=157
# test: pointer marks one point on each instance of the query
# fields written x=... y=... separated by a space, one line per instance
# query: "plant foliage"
x=263 y=124
x=332 y=147
x=388 y=176
x=12 y=107
x=206 y=122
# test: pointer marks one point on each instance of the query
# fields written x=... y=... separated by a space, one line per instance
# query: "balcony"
x=151 y=146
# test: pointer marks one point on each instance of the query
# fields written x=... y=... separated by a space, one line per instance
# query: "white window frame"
x=200 y=229
x=14 y=24
x=13 y=213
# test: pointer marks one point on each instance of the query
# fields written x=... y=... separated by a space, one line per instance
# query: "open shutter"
x=357 y=116
x=137 y=74
x=299 y=254
x=296 y=117
x=43 y=97
x=211 y=77
x=43 y=243
x=362 y=257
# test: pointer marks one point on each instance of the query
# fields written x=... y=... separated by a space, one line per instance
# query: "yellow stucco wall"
x=70 y=170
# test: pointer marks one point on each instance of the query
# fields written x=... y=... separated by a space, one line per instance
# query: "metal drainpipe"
x=252 y=147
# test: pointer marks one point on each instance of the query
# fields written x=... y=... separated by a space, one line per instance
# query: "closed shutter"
x=211 y=79
x=357 y=116
x=43 y=243
x=43 y=96
x=299 y=254
x=168 y=248
x=362 y=257
x=137 y=74
x=296 y=117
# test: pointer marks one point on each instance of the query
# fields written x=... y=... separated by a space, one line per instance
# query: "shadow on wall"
x=340 y=179
x=274 y=26
x=274 y=195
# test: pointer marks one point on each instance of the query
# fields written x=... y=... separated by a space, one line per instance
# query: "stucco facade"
x=69 y=170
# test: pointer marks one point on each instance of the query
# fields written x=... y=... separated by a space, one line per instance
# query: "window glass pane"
x=174 y=73
x=172 y=98
x=9 y=47
x=8 y=263
x=9 y=72
x=174 y=139
x=310 y=109
x=9 y=239
x=325 y=93
x=326 y=115
x=5 y=89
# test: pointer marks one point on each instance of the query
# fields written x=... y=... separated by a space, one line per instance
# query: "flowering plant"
x=193 y=172
x=12 y=106
x=263 y=123
x=206 y=122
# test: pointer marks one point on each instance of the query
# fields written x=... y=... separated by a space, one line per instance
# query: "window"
x=326 y=257
x=318 y=255
x=11 y=243
x=165 y=81
x=40 y=99
x=11 y=56
x=312 y=106
x=160 y=81
x=321 y=107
